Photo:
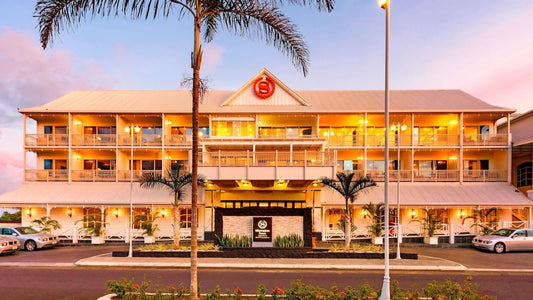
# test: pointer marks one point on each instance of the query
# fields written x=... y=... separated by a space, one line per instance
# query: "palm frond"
x=55 y=16
x=327 y=5
x=256 y=19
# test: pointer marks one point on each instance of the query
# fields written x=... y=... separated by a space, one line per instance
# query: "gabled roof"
x=284 y=100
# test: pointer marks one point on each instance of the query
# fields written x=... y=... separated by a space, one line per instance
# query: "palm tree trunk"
x=197 y=57
x=347 y=229
x=177 y=226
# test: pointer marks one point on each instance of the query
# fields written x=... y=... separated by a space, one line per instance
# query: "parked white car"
x=8 y=245
x=505 y=240
x=29 y=238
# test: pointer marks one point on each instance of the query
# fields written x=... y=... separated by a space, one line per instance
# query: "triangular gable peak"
x=265 y=89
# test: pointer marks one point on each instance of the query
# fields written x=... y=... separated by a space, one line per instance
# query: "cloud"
x=31 y=76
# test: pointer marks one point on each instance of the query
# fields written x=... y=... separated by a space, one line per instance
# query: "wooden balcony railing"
x=140 y=140
x=46 y=140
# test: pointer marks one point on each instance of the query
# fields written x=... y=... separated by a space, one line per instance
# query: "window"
x=91 y=216
x=48 y=129
x=151 y=165
x=234 y=128
x=262 y=204
x=48 y=164
x=523 y=174
x=137 y=222
x=185 y=218
x=101 y=164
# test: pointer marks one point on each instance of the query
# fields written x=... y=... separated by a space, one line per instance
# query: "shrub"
x=234 y=241
x=288 y=241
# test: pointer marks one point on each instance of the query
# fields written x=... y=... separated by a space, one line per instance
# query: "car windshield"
x=26 y=230
x=503 y=232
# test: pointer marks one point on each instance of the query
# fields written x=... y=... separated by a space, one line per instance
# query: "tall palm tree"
x=349 y=189
x=248 y=18
x=175 y=182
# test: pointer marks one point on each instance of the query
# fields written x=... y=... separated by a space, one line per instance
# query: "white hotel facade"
x=262 y=150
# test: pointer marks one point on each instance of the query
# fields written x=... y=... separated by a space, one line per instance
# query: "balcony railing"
x=93 y=175
x=125 y=175
x=140 y=140
x=485 y=175
x=486 y=140
x=442 y=140
x=178 y=140
x=277 y=158
x=418 y=175
x=46 y=175
x=46 y=140
x=94 y=139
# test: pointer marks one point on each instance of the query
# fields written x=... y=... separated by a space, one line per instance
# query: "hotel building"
x=262 y=150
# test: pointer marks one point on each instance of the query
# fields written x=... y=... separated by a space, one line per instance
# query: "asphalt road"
x=30 y=282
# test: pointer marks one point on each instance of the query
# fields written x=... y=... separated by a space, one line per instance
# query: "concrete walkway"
x=426 y=263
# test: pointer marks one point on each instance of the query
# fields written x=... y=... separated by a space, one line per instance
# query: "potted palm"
x=484 y=220
x=430 y=222
x=375 y=228
x=46 y=224
x=148 y=225
x=94 y=227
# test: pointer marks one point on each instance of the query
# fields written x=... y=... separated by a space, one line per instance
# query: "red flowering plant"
x=277 y=293
x=126 y=289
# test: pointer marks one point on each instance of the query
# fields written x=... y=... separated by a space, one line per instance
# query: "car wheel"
x=499 y=248
x=30 y=245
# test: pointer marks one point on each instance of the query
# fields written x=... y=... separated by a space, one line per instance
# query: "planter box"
x=264 y=253
x=98 y=239
x=377 y=240
x=149 y=239
x=433 y=240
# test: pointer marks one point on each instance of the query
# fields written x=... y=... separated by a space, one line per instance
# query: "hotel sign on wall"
x=262 y=229
x=264 y=87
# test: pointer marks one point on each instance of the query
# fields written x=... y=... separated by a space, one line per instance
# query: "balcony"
x=46 y=140
x=416 y=175
x=485 y=175
x=46 y=175
x=266 y=165
x=486 y=140
x=178 y=140
x=94 y=140
x=140 y=140
x=93 y=175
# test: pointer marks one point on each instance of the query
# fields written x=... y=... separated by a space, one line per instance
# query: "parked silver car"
x=8 y=245
x=505 y=240
x=29 y=238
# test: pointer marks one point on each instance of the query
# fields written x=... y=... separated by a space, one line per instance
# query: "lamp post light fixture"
x=398 y=127
x=385 y=290
x=130 y=129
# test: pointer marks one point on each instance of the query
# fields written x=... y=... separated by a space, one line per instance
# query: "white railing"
x=485 y=175
x=277 y=158
x=94 y=139
x=93 y=175
x=515 y=224
x=486 y=140
x=460 y=229
x=436 y=175
x=46 y=175
x=46 y=140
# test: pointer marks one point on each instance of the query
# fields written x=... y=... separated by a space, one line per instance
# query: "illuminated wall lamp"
x=462 y=214
x=365 y=213
x=116 y=212
x=69 y=212
x=162 y=213
x=413 y=213
x=28 y=212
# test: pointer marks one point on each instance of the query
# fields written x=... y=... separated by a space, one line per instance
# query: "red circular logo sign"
x=264 y=87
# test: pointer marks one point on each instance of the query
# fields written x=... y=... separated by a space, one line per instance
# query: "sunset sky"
x=482 y=47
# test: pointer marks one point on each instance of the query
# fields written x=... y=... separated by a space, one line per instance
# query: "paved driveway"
x=473 y=258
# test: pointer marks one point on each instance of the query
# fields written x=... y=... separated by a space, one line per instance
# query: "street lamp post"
x=385 y=290
x=399 y=127
x=130 y=129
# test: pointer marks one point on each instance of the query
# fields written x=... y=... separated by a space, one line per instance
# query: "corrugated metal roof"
x=429 y=194
x=159 y=101
x=83 y=193
x=411 y=194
